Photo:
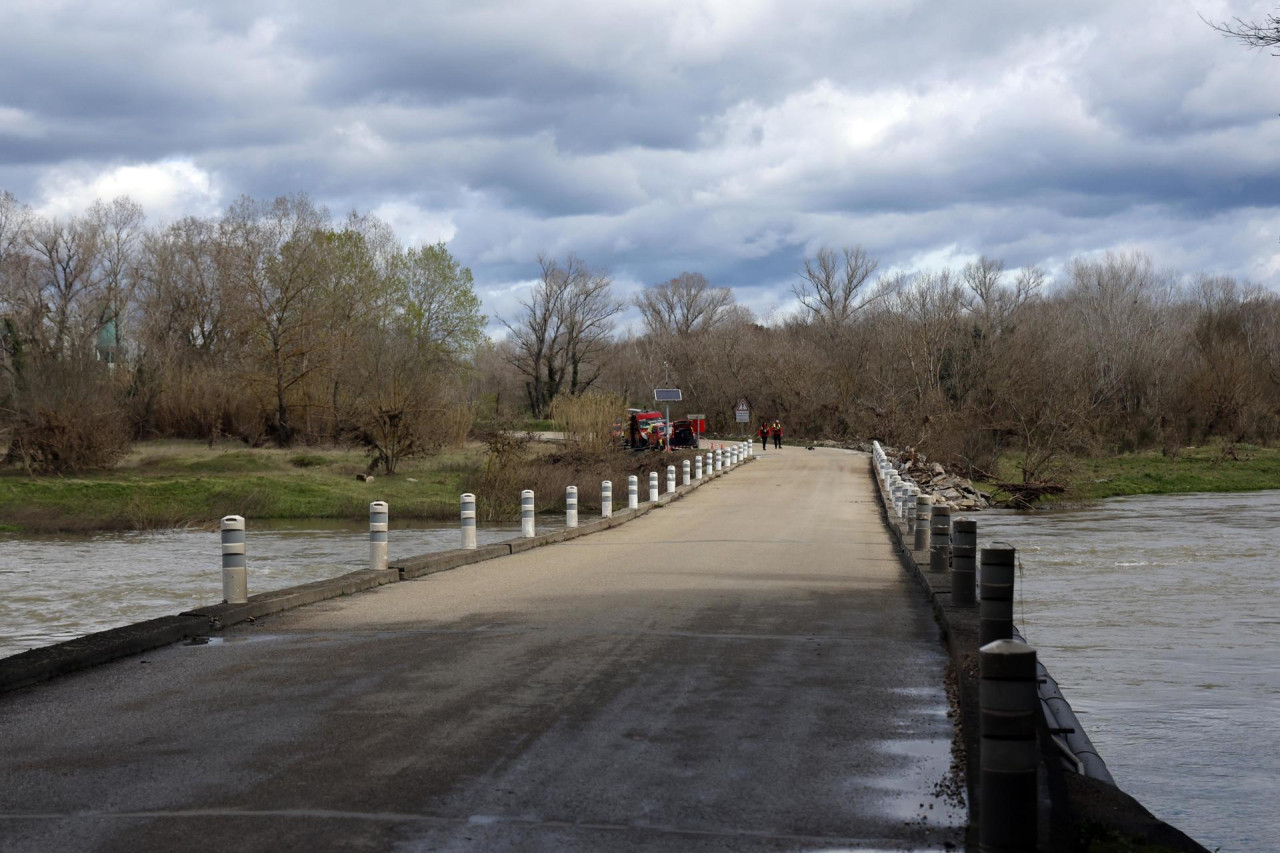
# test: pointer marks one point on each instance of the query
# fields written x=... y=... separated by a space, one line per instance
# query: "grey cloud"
x=655 y=138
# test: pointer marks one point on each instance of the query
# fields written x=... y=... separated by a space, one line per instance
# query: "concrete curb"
x=1081 y=810
x=36 y=665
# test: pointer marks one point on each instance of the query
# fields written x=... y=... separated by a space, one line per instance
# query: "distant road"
x=746 y=669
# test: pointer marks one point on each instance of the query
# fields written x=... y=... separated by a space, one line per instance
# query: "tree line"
x=969 y=365
x=271 y=322
x=276 y=322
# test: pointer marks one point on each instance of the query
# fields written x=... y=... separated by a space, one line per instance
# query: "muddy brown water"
x=55 y=588
x=1160 y=619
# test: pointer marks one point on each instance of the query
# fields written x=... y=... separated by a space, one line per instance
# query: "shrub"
x=66 y=418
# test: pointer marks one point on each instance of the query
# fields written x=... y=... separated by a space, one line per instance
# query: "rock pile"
x=956 y=491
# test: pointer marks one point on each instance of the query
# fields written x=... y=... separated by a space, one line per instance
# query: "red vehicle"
x=647 y=429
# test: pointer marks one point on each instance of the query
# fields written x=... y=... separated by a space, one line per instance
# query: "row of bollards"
x=1008 y=700
x=235 y=575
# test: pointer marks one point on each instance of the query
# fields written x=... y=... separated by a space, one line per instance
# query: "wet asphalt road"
x=746 y=669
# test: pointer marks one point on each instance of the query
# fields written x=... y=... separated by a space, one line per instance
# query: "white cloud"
x=167 y=189
x=415 y=226
x=19 y=123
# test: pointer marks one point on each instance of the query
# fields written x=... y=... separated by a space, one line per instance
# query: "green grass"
x=166 y=484
x=1211 y=468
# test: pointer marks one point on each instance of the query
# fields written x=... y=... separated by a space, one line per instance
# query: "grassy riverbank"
x=178 y=483
x=164 y=484
x=1212 y=468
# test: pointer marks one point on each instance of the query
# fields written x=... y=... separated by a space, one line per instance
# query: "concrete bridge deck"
x=747 y=669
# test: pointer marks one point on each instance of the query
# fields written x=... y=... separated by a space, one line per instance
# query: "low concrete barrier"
x=36 y=665
x=1084 y=803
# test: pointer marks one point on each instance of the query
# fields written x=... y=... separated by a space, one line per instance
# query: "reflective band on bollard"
x=924 y=508
x=606 y=499
x=633 y=492
x=468 y=521
x=995 y=613
x=378 y=526
x=684 y=473
x=697 y=467
x=1007 y=757
x=940 y=538
x=671 y=479
x=570 y=506
x=710 y=466
x=964 y=549
x=653 y=486
x=527 y=528
x=235 y=571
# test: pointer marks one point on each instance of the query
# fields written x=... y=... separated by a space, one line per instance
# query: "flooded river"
x=59 y=588
x=1160 y=618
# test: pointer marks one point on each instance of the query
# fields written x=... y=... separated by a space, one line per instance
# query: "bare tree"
x=834 y=287
x=567 y=321
x=1252 y=34
x=276 y=253
x=683 y=306
x=60 y=293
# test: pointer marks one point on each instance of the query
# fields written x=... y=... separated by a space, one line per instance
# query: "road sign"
x=742 y=417
x=742 y=406
x=667 y=395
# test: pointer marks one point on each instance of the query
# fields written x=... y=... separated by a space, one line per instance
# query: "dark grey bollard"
x=924 y=508
x=1008 y=704
x=995 y=613
x=940 y=538
x=964 y=551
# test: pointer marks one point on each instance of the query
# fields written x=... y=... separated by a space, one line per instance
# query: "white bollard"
x=671 y=479
x=684 y=473
x=653 y=486
x=710 y=468
x=570 y=506
x=606 y=499
x=697 y=467
x=469 y=521
x=378 y=527
x=719 y=461
x=633 y=492
x=235 y=571
x=527 y=527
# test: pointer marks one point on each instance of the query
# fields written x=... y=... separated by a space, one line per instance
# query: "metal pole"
x=606 y=499
x=995 y=613
x=964 y=549
x=468 y=521
x=235 y=571
x=378 y=526
x=1008 y=704
x=527 y=527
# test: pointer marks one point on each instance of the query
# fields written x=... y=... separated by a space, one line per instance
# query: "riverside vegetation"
x=275 y=326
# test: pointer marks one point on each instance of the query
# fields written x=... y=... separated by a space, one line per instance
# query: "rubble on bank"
x=934 y=480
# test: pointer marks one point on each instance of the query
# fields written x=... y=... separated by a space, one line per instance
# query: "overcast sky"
x=727 y=137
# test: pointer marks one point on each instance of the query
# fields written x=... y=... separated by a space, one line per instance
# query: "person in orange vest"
x=763 y=432
x=776 y=431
